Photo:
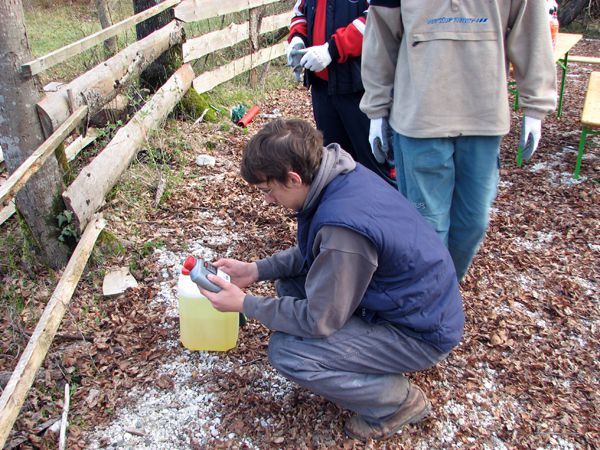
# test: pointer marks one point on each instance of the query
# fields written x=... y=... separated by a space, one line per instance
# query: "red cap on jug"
x=188 y=265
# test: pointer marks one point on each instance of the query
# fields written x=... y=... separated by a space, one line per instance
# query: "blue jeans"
x=453 y=183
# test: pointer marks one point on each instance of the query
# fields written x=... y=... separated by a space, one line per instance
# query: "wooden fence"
x=63 y=111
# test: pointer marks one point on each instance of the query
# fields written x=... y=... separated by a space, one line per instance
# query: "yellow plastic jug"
x=201 y=326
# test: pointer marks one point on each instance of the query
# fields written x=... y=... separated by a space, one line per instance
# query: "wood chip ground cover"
x=525 y=375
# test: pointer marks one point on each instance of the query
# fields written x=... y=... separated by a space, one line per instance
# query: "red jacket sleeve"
x=298 y=25
x=349 y=39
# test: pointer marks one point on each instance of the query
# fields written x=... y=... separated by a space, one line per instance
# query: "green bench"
x=590 y=117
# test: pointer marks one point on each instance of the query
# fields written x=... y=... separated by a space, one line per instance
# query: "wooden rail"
x=208 y=80
x=233 y=34
x=30 y=361
x=195 y=10
x=86 y=194
x=62 y=54
x=32 y=164
x=99 y=85
x=584 y=59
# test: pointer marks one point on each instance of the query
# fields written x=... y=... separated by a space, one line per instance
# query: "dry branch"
x=22 y=378
x=160 y=189
x=62 y=439
x=51 y=59
x=101 y=84
x=87 y=192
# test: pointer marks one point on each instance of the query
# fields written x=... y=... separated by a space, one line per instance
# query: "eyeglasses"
x=264 y=191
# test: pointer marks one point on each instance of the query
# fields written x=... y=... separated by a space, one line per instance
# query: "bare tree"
x=161 y=69
x=105 y=21
x=21 y=133
x=569 y=11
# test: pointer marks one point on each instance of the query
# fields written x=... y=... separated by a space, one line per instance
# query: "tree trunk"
x=110 y=45
x=20 y=135
x=160 y=70
x=571 y=10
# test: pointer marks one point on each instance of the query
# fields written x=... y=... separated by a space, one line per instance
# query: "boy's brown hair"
x=280 y=147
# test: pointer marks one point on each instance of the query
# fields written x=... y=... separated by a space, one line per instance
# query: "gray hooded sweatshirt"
x=336 y=281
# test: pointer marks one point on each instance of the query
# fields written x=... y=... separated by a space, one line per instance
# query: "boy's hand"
x=242 y=274
x=229 y=299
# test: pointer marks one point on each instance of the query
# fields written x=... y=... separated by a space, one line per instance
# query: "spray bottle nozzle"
x=188 y=265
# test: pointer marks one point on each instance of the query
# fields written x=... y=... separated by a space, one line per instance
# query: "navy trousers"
x=340 y=120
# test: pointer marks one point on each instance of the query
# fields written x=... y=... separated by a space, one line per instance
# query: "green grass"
x=49 y=29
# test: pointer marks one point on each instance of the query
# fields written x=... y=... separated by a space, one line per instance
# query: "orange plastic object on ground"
x=244 y=121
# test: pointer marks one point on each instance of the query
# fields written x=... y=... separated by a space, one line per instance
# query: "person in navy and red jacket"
x=326 y=40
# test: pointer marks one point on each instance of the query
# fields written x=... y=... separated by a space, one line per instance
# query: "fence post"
x=254 y=26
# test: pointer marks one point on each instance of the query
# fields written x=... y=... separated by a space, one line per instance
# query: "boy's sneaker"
x=415 y=407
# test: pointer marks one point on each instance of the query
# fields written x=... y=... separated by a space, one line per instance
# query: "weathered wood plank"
x=216 y=40
x=80 y=143
x=231 y=35
x=62 y=54
x=584 y=59
x=22 y=378
x=195 y=10
x=272 y=23
x=591 y=106
x=101 y=84
x=32 y=164
x=87 y=192
x=7 y=212
x=208 y=80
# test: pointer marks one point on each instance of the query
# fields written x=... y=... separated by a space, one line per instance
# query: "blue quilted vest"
x=414 y=286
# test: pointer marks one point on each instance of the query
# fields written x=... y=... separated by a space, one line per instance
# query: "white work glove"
x=531 y=133
x=294 y=56
x=316 y=58
x=380 y=138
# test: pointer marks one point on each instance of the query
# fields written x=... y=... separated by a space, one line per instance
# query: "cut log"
x=195 y=10
x=87 y=192
x=23 y=376
x=209 y=80
x=101 y=84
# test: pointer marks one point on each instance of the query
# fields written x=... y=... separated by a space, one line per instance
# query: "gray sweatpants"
x=359 y=367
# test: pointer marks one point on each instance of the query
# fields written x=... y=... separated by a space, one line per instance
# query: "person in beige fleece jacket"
x=437 y=71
